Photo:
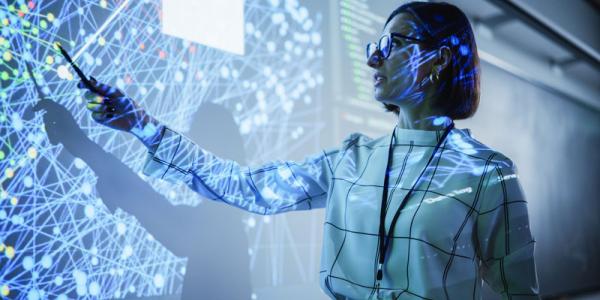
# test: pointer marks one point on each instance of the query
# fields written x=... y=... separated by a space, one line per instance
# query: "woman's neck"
x=421 y=118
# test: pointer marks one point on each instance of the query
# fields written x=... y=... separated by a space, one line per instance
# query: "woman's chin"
x=381 y=96
x=384 y=94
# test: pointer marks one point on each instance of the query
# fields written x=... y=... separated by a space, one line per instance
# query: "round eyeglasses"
x=385 y=44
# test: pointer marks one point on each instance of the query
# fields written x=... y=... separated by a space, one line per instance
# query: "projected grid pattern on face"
x=57 y=239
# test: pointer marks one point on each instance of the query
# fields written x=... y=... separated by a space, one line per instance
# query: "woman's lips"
x=378 y=79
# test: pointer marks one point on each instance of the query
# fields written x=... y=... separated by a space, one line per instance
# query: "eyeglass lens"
x=371 y=48
x=384 y=46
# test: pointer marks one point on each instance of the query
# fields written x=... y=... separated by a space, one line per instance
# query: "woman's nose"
x=375 y=60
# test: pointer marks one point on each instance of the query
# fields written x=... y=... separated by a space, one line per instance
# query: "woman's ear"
x=444 y=55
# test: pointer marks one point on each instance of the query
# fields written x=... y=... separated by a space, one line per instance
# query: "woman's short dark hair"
x=446 y=25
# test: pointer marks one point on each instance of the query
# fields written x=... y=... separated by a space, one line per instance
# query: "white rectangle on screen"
x=214 y=23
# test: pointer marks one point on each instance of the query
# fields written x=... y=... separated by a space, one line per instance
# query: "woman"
x=426 y=212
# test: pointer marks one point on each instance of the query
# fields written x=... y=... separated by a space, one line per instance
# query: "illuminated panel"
x=359 y=24
x=355 y=109
x=217 y=24
x=58 y=238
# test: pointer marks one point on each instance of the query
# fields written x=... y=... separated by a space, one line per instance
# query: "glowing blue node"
x=89 y=211
x=28 y=263
x=81 y=290
x=159 y=280
x=33 y=295
x=79 y=163
x=86 y=188
x=121 y=228
x=178 y=76
x=94 y=289
x=80 y=277
x=16 y=121
x=277 y=18
x=120 y=83
x=316 y=38
x=127 y=252
x=88 y=59
x=28 y=181
x=46 y=261
x=16 y=219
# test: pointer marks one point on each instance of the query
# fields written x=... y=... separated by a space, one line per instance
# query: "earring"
x=431 y=77
x=434 y=78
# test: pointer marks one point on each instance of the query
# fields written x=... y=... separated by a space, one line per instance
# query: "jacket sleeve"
x=276 y=187
x=505 y=244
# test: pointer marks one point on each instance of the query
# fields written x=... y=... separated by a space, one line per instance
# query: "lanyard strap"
x=384 y=241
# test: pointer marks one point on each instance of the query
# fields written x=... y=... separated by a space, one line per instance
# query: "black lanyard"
x=384 y=241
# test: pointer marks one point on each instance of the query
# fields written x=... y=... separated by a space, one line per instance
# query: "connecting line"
x=104 y=25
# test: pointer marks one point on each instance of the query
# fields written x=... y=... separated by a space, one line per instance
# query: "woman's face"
x=397 y=79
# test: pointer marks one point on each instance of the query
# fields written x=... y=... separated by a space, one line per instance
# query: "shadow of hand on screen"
x=60 y=125
x=210 y=235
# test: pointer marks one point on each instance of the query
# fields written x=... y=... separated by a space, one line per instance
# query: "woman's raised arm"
x=276 y=187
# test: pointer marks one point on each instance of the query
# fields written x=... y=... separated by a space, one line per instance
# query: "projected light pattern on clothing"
x=57 y=238
x=340 y=181
x=273 y=188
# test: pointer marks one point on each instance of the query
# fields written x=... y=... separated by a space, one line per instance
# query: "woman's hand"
x=110 y=107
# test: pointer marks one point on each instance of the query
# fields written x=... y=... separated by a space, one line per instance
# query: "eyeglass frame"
x=391 y=36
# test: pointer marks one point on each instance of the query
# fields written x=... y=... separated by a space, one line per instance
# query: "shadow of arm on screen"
x=118 y=185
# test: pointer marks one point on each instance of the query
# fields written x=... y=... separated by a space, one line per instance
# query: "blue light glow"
x=54 y=226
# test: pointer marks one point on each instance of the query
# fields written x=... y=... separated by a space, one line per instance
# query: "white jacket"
x=465 y=221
